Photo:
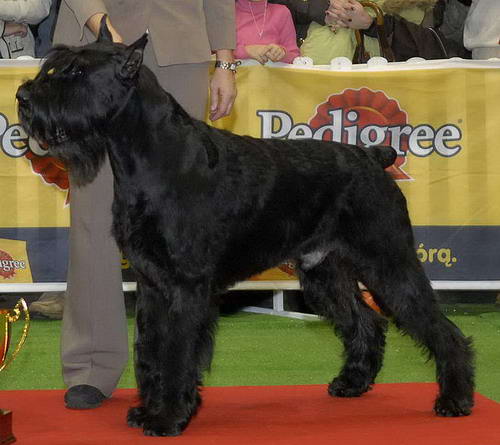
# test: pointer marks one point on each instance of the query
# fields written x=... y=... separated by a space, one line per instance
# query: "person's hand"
x=347 y=14
x=275 y=52
x=15 y=29
x=94 y=23
x=222 y=93
x=258 y=52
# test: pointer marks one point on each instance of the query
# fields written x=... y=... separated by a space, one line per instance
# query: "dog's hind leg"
x=332 y=289
x=402 y=290
x=173 y=345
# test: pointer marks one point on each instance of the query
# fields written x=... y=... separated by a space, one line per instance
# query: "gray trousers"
x=94 y=348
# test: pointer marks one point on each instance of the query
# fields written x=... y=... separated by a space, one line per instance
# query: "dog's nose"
x=22 y=95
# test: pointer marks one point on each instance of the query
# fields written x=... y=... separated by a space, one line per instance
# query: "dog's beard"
x=78 y=148
x=83 y=159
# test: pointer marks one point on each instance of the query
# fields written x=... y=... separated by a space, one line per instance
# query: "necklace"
x=261 y=30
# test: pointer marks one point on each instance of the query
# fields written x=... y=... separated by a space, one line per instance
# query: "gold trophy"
x=7 y=317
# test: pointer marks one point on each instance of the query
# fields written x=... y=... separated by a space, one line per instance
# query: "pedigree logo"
x=366 y=118
x=15 y=144
x=8 y=265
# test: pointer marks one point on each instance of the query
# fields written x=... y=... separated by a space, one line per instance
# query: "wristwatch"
x=227 y=65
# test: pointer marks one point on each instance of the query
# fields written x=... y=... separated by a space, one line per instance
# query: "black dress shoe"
x=83 y=397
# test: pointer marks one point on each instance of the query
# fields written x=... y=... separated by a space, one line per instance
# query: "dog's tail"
x=384 y=155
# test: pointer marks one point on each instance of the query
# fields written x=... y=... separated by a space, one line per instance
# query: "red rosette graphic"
x=51 y=170
x=371 y=108
x=6 y=272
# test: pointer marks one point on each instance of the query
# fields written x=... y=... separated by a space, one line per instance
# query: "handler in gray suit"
x=182 y=36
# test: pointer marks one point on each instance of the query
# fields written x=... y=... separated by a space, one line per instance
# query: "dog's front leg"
x=174 y=334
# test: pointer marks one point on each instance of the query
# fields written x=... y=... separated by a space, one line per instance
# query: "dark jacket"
x=408 y=40
x=304 y=12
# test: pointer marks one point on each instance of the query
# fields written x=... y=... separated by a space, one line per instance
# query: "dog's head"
x=70 y=106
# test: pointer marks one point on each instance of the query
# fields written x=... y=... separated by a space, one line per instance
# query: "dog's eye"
x=72 y=70
x=76 y=71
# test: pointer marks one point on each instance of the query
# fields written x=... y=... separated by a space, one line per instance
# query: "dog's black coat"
x=197 y=209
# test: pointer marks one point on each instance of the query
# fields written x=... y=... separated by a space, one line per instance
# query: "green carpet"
x=267 y=350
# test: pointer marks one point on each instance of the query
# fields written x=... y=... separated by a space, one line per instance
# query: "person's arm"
x=288 y=38
x=84 y=10
x=221 y=30
x=94 y=23
x=252 y=51
x=222 y=87
x=240 y=52
x=31 y=12
x=220 y=23
x=14 y=29
x=256 y=52
x=348 y=14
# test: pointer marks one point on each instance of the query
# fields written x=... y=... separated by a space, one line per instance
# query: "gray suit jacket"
x=181 y=31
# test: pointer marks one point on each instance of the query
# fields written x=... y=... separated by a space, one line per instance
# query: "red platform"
x=391 y=414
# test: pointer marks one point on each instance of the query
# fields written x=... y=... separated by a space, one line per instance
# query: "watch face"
x=226 y=65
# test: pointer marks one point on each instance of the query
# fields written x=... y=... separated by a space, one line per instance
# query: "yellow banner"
x=14 y=262
x=441 y=118
x=443 y=122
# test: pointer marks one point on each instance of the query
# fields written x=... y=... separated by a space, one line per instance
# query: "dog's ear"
x=104 y=34
x=133 y=62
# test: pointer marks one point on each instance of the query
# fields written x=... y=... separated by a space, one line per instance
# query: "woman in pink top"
x=265 y=32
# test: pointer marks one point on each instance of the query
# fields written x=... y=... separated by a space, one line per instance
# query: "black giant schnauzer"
x=197 y=209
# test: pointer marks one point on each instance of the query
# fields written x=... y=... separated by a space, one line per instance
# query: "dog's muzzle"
x=23 y=97
x=25 y=112
x=24 y=107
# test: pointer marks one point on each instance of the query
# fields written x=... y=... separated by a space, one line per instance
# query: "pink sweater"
x=278 y=28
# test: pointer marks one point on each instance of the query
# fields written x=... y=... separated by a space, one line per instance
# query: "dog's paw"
x=136 y=416
x=446 y=407
x=342 y=388
x=159 y=426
